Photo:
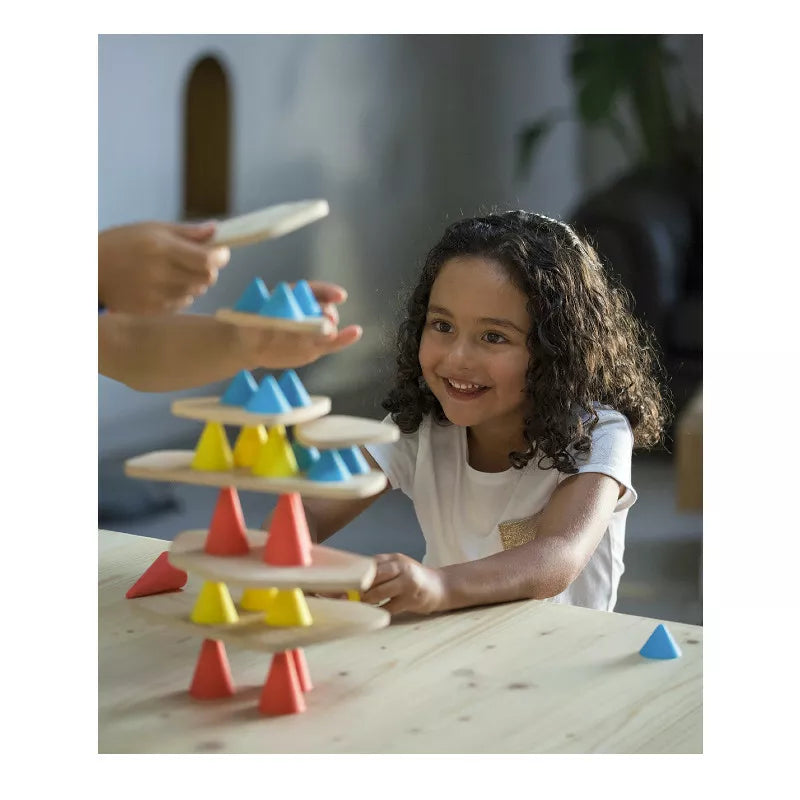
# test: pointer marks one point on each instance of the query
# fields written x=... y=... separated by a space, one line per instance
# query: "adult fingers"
x=197 y=259
x=328 y=292
x=344 y=338
x=195 y=231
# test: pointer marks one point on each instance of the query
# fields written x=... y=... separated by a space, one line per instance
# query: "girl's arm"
x=568 y=531
x=325 y=517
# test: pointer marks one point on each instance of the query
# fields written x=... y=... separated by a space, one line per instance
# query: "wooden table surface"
x=525 y=677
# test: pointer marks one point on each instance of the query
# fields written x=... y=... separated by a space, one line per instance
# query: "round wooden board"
x=307 y=325
x=210 y=409
x=330 y=570
x=268 y=223
x=335 y=432
x=333 y=619
x=175 y=466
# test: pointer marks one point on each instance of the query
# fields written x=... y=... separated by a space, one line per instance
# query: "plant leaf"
x=529 y=140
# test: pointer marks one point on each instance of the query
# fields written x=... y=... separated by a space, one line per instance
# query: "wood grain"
x=524 y=677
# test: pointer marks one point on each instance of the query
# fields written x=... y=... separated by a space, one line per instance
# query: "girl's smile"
x=473 y=351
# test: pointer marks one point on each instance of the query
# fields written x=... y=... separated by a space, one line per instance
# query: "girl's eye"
x=441 y=326
x=494 y=338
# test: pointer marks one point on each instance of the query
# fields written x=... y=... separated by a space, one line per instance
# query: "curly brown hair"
x=585 y=346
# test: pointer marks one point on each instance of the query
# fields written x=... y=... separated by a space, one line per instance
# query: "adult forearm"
x=159 y=354
x=536 y=570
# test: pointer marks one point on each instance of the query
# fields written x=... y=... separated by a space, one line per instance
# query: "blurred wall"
x=401 y=134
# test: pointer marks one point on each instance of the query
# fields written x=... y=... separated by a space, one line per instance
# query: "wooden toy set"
x=288 y=445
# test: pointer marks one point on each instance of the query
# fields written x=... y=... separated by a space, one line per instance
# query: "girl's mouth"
x=463 y=390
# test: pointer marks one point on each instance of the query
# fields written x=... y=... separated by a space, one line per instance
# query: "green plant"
x=610 y=72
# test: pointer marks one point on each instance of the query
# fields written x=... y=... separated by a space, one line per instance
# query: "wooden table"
x=525 y=677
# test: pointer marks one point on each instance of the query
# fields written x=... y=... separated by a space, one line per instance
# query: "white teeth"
x=464 y=387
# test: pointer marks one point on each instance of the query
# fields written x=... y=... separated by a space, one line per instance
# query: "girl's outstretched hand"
x=407 y=585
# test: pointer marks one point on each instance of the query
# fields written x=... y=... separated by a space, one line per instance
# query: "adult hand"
x=406 y=584
x=156 y=267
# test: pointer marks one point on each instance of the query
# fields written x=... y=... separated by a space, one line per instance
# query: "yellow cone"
x=257 y=599
x=214 y=606
x=213 y=453
x=354 y=594
x=289 y=609
x=275 y=457
x=248 y=443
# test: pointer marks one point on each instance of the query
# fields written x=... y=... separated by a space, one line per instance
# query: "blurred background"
x=402 y=135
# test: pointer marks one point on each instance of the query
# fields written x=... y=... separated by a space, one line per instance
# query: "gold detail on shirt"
x=515 y=532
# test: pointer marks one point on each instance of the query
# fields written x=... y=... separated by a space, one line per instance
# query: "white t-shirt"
x=466 y=514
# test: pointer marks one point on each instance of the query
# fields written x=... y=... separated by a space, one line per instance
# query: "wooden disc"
x=330 y=570
x=175 y=466
x=268 y=223
x=307 y=325
x=333 y=619
x=336 y=432
x=210 y=409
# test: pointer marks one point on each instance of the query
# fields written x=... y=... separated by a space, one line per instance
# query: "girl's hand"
x=407 y=585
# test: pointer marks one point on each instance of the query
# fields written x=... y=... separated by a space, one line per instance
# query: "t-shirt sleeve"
x=610 y=454
x=398 y=460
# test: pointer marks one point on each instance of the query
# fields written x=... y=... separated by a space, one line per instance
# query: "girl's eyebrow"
x=502 y=323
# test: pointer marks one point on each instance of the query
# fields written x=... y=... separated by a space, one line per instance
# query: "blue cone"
x=306 y=457
x=354 y=460
x=660 y=645
x=255 y=295
x=268 y=399
x=239 y=390
x=330 y=467
x=306 y=300
x=282 y=304
x=295 y=392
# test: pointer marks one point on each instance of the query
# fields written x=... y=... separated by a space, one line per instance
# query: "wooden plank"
x=210 y=409
x=525 y=677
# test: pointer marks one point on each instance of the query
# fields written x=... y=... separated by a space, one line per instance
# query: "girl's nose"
x=460 y=355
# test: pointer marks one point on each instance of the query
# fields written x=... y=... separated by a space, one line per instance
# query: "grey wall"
x=400 y=134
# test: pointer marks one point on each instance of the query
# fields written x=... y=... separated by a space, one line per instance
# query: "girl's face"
x=473 y=350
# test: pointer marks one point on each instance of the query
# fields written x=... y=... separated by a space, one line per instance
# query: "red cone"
x=301 y=668
x=282 y=693
x=288 y=542
x=159 y=577
x=212 y=675
x=227 y=535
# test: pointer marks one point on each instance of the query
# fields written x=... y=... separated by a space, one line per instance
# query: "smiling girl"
x=522 y=385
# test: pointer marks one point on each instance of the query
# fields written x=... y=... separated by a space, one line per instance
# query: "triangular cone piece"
x=213 y=453
x=214 y=606
x=269 y=399
x=354 y=460
x=248 y=444
x=288 y=541
x=282 y=303
x=306 y=300
x=257 y=599
x=306 y=457
x=212 y=675
x=239 y=390
x=159 y=577
x=282 y=693
x=660 y=645
x=289 y=609
x=255 y=295
x=293 y=390
x=301 y=668
x=276 y=458
x=330 y=467
x=227 y=535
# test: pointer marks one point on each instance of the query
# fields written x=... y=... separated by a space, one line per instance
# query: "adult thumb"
x=196 y=231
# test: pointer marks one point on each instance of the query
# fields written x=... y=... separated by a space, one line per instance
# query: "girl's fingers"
x=384 y=591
